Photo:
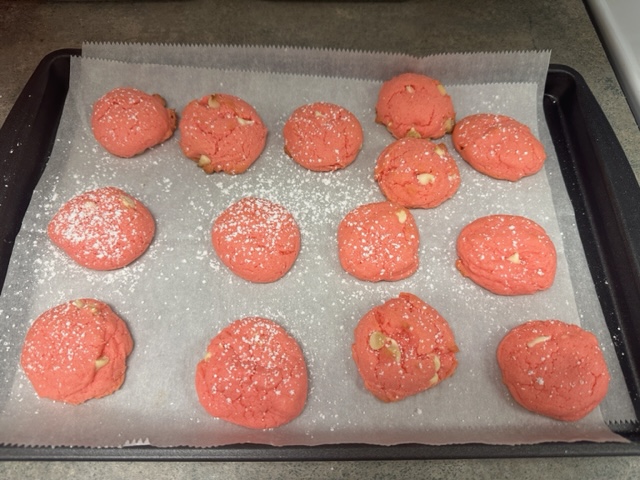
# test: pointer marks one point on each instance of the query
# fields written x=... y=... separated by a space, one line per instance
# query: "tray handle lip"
x=39 y=105
x=40 y=76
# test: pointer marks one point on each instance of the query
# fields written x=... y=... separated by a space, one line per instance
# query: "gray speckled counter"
x=30 y=30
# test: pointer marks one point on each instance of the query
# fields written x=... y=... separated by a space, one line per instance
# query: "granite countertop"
x=30 y=30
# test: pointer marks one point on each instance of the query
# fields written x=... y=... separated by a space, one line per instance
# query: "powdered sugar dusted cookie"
x=102 y=229
x=127 y=121
x=507 y=255
x=254 y=374
x=322 y=136
x=76 y=351
x=403 y=347
x=417 y=173
x=222 y=133
x=554 y=369
x=256 y=239
x=414 y=105
x=379 y=241
x=498 y=146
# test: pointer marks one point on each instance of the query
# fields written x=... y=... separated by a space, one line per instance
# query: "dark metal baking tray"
x=602 y=188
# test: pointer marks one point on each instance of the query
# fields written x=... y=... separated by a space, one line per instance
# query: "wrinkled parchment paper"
x=178 y=295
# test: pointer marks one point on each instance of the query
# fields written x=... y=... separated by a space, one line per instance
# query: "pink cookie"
x=126 y=121
x=256 y=239
x=417 y=173
x=254 y=374
x=322 y=136
x=554 y=369
x=76 y=351
x=379 y=241
x=103 y=229
x=507 y=255
x=222 y=133
x=498 y=146
x=414 y=105
x=403 y=347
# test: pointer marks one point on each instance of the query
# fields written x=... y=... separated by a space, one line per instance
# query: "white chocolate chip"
x=448 y=125
x=127 y=201
x=213 y=102
x=402 y=215
x=207 y=356
x=435 y=379
x=436 y=362
x=377 y=340
x=91 y=306
x=409 y=89
x=425 y=178
x=515 y=258
x=394 y=349
x=537 y=340
x=413 y=133
x=440 y=150
x=204 y=160
x=441 y=89
x=243 y=121
x=101 y=362
x=89 y=205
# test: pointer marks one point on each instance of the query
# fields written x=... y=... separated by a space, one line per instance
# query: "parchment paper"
x=178 y=295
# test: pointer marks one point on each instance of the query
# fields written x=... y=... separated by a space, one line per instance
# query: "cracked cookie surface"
x=403 y=347
x=76 y=351
x=254 y=374
x=127 y=121
x=322 y=136
x=414 y=105
x=553 y=368
x=222 y=133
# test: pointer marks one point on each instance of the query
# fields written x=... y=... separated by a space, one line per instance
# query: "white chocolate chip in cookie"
x=409 y=88
x=436 y=365
x=213 y=102
x=425 y=178
x=394 y=349
x=402 y=215
x=515 y=258
x=413 y=133
x=441 y=89
x=537 y=340
x=91 y=306
x=436 y=362
x=377 y=340
x=244 y=121
x=448 y=125
x=101 y=362
x=127 y=201
x=440 y=150
x=204 y=161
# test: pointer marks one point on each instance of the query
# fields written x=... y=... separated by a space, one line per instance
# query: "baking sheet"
x=182 y=192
